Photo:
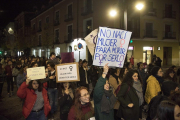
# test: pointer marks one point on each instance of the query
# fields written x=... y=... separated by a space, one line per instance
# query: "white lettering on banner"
x=111 y=47
x=36 y=73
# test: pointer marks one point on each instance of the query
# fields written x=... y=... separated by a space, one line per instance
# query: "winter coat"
x=15 y=71
x=8 y=70
x=98 y=94
x=86 y=110
x=114 y=84
x=83 y=77
x=127 y=95
x=30 y=99
x=152 y=89
x=20 y=79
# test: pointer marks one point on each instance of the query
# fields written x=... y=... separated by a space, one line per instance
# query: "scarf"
x=138 y=87
x=108 y=101
x=159 y=79
x=116 y=77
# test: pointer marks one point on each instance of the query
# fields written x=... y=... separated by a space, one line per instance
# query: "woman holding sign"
x=36 y=105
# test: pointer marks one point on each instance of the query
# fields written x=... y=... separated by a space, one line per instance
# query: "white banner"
x=111 y=47
x=36 y=73
x=91 y=41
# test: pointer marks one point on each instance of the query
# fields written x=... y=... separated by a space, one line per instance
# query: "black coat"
x=127 y=95
x=93 y=75
x=83 y=77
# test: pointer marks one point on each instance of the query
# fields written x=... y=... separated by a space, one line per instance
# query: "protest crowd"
x=103 y=93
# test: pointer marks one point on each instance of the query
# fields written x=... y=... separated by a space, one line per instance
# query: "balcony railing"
x=68 y=38
x=151 y=12
x=150 y=34
x=86 y=10
x=56 y=23
x=68 y=17
x=169 y=14
x=169 y=35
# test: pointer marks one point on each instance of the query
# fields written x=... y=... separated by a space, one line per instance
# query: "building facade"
x=61 y=27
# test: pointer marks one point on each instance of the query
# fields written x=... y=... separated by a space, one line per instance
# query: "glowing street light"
x=139 y=6
x=113 y=13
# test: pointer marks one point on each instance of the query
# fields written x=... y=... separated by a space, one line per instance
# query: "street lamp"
x=113 y=13
x=139 y=6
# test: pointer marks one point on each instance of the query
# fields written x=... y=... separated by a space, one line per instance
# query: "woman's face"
x=160 y=72
x=84 y=98
x=106 y=86
x=171 y=75
x=35 y=85
x=66 y=85
x=125 y=72
x=35 y=65
x=118 y=72
x=141 y=66
x=135 y=77
x=177 y=113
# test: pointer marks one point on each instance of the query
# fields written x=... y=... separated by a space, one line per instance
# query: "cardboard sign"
x=68 y=72
x=111 y=47
x=67 y=57
x=36 y=73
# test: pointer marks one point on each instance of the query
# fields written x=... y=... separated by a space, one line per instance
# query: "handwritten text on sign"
x=111 y=47
x=36 y=73
x=67 y=72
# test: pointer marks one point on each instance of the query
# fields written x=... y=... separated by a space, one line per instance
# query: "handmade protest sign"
x=36 y=73
x=111 y=47
x=67 y=57
x=68 y=72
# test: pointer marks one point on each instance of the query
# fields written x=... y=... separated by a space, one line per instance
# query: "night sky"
x=9 y=9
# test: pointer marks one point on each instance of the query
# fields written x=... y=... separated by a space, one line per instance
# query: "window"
x=57 y=16
x=168 y=31
x=57 y=36
x=88 y=26
x=39 y=25
x=47 y=19
x=70 y=9
x=40 y=40
x=70 y=32
x=149 y=29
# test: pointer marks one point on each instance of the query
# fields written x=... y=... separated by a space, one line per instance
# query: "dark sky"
x=9 y=9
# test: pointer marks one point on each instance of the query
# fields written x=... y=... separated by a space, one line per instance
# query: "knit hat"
x=155 y=70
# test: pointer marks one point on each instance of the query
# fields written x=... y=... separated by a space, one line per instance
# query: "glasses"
x=85 y=95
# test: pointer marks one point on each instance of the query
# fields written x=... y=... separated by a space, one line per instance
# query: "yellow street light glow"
x=139 y=6
x=113 y=13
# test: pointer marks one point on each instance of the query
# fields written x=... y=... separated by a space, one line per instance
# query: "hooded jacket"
x=153 y=88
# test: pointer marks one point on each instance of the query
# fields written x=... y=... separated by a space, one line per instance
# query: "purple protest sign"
x=67 y=57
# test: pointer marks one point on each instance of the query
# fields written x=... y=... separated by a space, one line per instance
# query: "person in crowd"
x=34 y=64
x=15 y=71
x=175 y=96
x=122 y=74
x=36 y=105
x=80 y=63
x=141 y=71
x=168 y=110
x=130 y=96
x=52 y=88
x=53 y=58
x=115 y=82
x=65 y=100
x=174 y=68
x=158 y=61
x=153 y=84
x=38 y=61
x=82 y=108
x=26 y=61
x=21 y=77
x=132 y=61
x=13 y=61
x=9 y=78
x=175 y=79
x=104 y=99
x=2 y=79
x=154 y=59
x=84 y=78
x=93 y=75
x=22 y=62
x=129 y=66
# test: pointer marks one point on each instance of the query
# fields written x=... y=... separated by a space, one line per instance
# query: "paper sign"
x=92 y=118
x=36 y=73
x=111 y=47
x=67 y=57
x=68 y=72
x=91 y=41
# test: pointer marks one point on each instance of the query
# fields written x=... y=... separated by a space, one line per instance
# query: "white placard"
x=111 y=47
x=67 y=72
x=36 y=73
x=92 y=118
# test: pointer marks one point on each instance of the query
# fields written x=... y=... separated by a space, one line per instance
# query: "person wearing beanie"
x=153 y=84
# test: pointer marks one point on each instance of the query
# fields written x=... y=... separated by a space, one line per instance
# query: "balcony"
x=169 y=35
x=169 y=14
x=39 y=30
x=86 y=10
x=56 y=23
x=68 y=17
x=68 y=38
x=150 y=12
x=150 y=34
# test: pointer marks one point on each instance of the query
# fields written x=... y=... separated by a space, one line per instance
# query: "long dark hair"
x=40 y=85
x=77 y=104
x=175 y=96
x=138 y=64
x=121 y=75
x=113 y=72
x=167 y=76
x=128 y=77
x=165 y=110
